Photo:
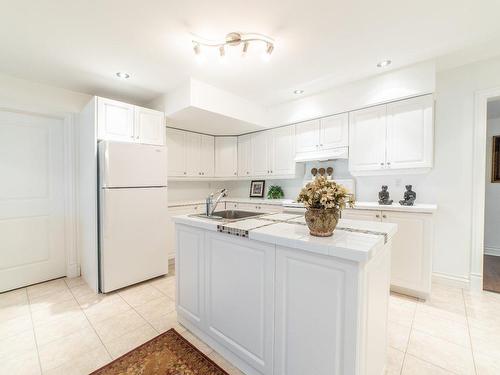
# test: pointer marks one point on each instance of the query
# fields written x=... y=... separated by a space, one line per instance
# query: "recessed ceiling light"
x=298 y=92
x=384 y=63
x=122 y=75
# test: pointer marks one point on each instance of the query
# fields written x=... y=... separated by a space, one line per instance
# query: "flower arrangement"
x=324 y=193
x=275 y=192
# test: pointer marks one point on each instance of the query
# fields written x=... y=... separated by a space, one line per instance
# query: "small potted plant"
x=275 y=192
x=324 y=200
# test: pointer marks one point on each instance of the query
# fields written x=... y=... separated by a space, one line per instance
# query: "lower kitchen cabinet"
x=412 y=246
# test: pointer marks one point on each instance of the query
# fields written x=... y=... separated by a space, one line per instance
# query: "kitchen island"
x=274 y=300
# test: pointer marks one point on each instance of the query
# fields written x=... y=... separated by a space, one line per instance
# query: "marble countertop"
x=353 y=240
x=273 y=202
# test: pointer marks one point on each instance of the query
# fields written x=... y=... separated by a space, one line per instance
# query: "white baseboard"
x=451 y=280
x=495 y=251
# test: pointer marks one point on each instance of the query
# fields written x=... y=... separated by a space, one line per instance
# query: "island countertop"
x=353 y=240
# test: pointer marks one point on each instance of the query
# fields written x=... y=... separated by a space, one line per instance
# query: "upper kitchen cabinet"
x=367 y=137
x=176 y=147
x=410 y=133
x=226 y=156
x=393 y=138
x=124 y=122
x=190 y=154
x=245 y=155
x=115 y=120
x=261 y=153
x=322 y=139
x=149 y=126
x=282 y=151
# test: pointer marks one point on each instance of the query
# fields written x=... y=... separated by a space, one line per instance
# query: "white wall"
x=35 y=97
x=492 y=198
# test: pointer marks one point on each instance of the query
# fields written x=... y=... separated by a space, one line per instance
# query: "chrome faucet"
x=210 y=205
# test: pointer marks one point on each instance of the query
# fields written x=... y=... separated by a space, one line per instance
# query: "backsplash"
x=367 y=188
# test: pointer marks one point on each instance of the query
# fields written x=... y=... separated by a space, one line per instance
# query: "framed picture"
x=495 y=159
x=257 y=189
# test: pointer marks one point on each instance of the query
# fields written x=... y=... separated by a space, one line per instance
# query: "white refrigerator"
x=132 y=213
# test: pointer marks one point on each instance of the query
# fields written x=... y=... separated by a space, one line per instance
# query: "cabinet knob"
x=235 y=173
x=384 y=216
x=271 y=171
x=185 y=173
x=321 y=144
x=267 y=171
x=377 y=216
x=247 y=172
x=382 y=164
x=388 y=163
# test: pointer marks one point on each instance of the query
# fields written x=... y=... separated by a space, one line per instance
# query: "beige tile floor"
x=62 y=327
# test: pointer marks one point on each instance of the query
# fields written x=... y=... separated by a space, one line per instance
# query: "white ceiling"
x=80 y=44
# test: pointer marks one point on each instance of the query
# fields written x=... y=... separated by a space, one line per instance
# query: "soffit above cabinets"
x=199 y=107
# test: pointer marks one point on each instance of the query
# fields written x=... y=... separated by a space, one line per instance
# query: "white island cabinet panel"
x=190 y=274
x=314 y=319
x=240 y=297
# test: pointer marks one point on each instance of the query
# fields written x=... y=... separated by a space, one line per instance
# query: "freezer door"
x=124 y=164
x=133 y=236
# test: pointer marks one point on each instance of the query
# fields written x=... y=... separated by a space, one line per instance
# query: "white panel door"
x=245 y=155
x=334 y=131
x=31 y=200
x=313 y=321
x=282 y=151
x=115 y=120
x=260 y=154
x=367 y=139
x=190 y=273
x=307 y=136
x=410 y=133
x=239 y=292
x=133 y=245
x=207 y=159
x=226 y=156
x=176 y=145
x=149 y=126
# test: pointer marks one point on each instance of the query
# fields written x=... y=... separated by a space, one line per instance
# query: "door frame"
x=69 y=167
x=478 y=184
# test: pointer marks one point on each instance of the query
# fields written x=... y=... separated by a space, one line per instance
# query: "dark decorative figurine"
x=383 y=196
x=409 y=197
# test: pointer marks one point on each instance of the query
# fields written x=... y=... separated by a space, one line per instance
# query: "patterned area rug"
x=166 y=354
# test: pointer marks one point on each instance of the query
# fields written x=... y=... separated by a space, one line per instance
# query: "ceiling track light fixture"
x=234 y=39
x=384 y=63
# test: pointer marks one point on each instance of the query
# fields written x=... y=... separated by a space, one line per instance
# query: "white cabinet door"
x=239 y=294
x=312 y=296
x=410 y=133
x=207 y=157
x=365 y=215
x=411 y=261
x=307 y=136
x=245 y=155
x=282 y=150
x=115 y=120
x=193 y=154
x=176 y=146
x=334 y=131
x=226 y=156
x=367 y=139
x=149 y=126
x=190 y=273
x=260 y=153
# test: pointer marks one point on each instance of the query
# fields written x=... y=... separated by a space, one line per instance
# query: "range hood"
x=320 y=155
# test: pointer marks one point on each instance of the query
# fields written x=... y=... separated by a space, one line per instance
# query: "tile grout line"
x=33 y=330
x=409 y=336
x=90 y=323
x=468 y=330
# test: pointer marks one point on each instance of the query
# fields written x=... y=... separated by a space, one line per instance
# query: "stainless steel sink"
x=231 y=215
